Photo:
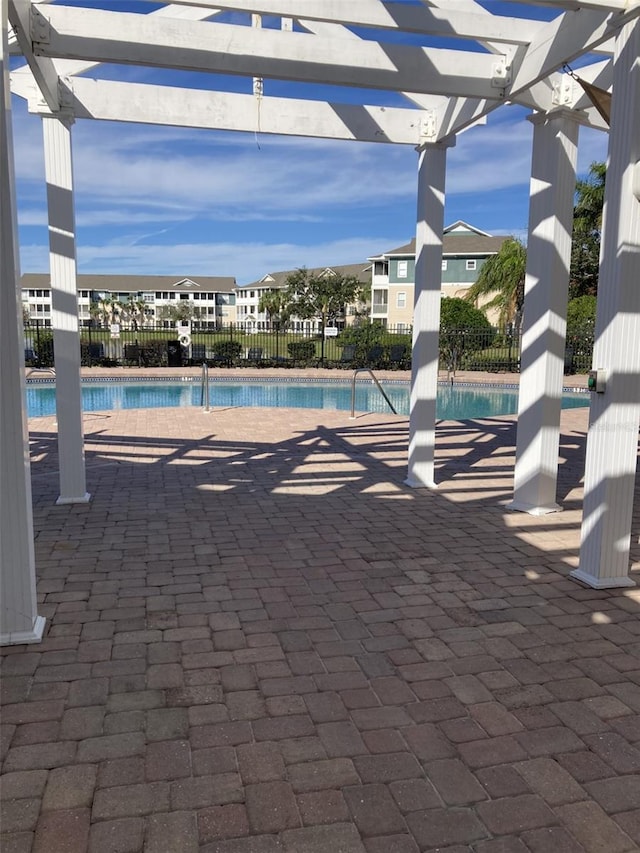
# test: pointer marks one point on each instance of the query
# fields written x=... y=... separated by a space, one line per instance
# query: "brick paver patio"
x=259 y=640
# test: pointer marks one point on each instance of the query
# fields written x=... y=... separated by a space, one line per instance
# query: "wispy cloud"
x=246 y=261
x=155 y=199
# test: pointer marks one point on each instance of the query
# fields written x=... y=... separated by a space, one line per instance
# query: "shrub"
x=463 y=331
x=43 y=345
x=581 y=321
x=364 y=337
x=228 y=351
x=154 y=353
x=302 y=350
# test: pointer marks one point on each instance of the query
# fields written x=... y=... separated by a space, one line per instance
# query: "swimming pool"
x=454 y=403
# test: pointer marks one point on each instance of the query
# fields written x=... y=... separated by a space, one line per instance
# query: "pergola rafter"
x=514 y=60
x=169 y=105
x=432 y=21
x=126 y=38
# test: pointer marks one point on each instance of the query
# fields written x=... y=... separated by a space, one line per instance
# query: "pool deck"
x=259 y=640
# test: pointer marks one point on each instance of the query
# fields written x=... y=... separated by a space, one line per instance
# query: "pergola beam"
x=150 y=104
x=574 y=5
x=562 y=41
x=125 y=38
x=68 y=67
x=443 y=23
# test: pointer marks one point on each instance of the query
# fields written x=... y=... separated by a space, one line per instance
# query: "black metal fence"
x=496 y=350
x=372 y=345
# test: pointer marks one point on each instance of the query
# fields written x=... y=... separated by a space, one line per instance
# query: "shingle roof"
x=137 y=283
x=456 y=244
x=276 y=280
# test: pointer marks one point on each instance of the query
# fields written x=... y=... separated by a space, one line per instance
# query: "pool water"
x=454 y=403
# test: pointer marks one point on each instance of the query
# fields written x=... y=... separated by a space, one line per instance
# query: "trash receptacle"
x=568 y=360
x=174 y=354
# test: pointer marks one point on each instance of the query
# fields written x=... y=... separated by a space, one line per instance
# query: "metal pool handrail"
x=353 y=391
x=50 y=370
x=204 y=389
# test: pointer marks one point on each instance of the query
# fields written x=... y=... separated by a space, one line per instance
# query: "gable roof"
x=462 y=227
x=454 y=244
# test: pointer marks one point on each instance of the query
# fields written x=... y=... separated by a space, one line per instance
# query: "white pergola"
x=452 y=62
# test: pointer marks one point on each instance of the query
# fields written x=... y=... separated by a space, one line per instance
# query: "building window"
x=444 y=266
x=471 y=263
x=402 y=269
x=401 y=299
x=379 y=302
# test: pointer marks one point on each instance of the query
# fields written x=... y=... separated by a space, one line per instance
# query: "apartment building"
x=248 y=297
x=147 y=299
x=465 y=249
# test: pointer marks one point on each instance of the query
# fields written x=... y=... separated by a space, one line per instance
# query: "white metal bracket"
x=65 y=98
x=428 y=126
x=37 y=105
x=564 y=91
x=501 y=72
x=39 y=26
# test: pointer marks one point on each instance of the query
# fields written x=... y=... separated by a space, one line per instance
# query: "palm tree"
x=277 y=306
x=109 y=310
x=590 y=197
x=587 y=228
x=134 y=311
x=502 y=278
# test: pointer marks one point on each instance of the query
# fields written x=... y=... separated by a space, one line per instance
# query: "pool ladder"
x=204 y=388
x=378 y=385
x=50 y=370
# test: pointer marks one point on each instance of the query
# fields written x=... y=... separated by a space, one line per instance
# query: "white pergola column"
x=426 y=316
x=553 y=183
x=19 y=620
x=64 y=302
x=612 y=441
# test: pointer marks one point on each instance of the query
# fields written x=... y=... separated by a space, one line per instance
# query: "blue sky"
x=155 y=200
